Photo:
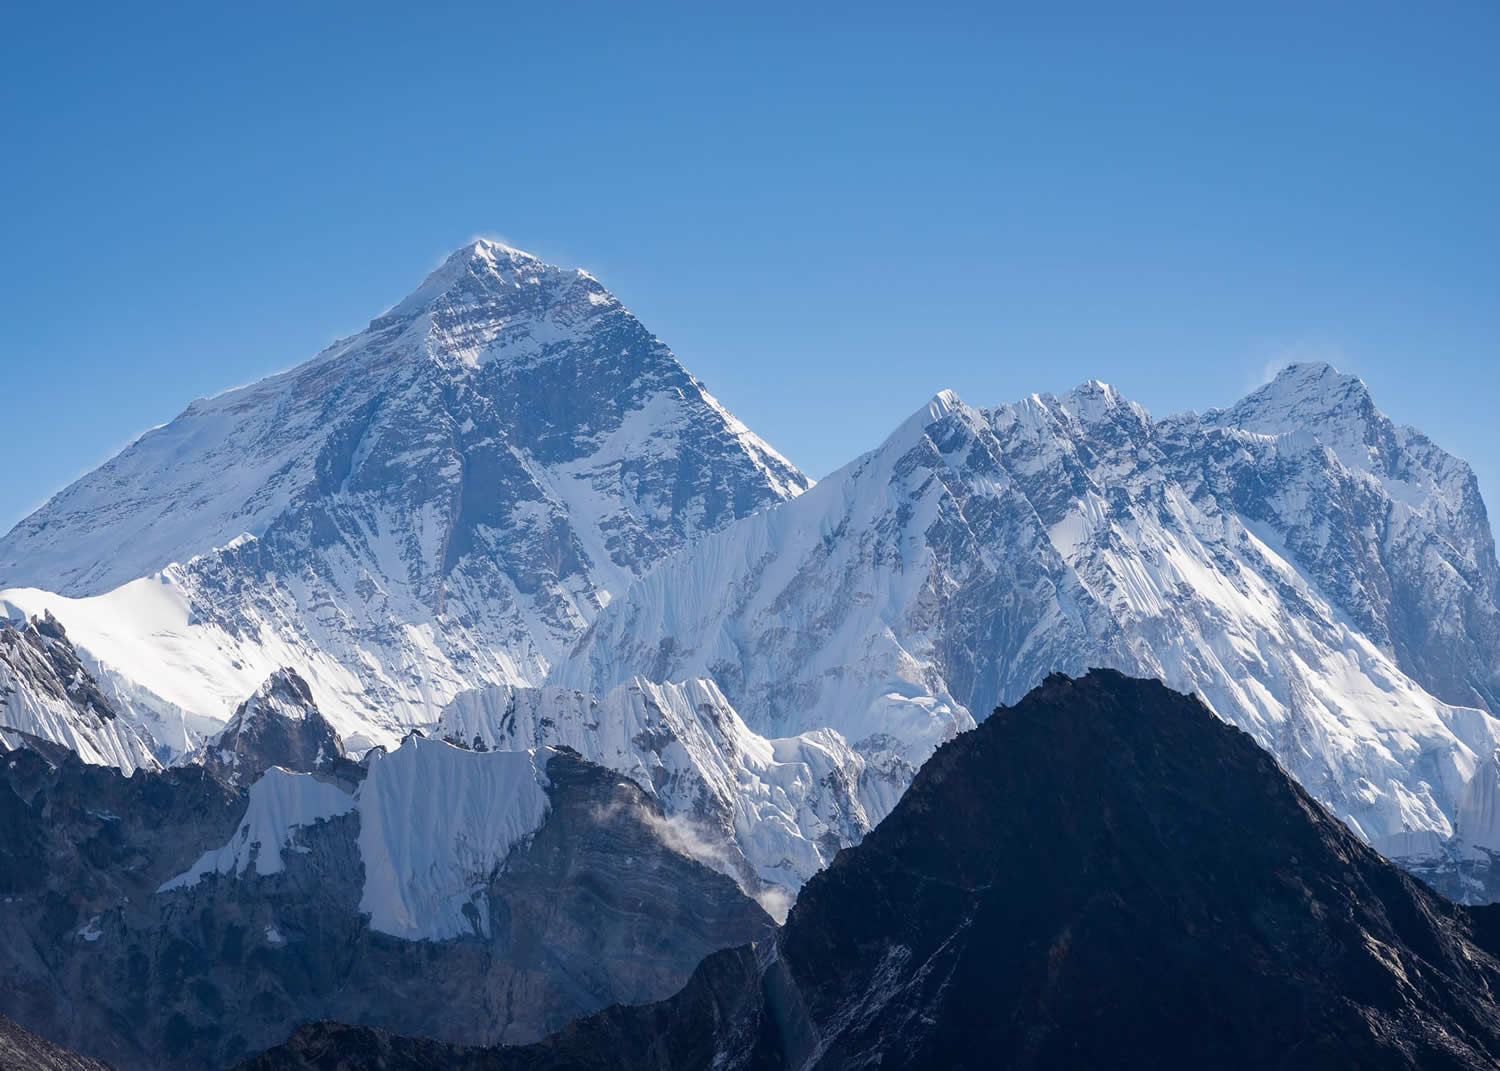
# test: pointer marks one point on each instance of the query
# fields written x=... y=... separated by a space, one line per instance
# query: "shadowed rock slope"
x=280 y=725
x=21 y=1049
x=1103 y=875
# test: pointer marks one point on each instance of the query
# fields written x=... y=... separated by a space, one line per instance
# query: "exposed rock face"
x=171 y=920
x=443 y=500
x=277 y=726
x=47 y=692
x=1104 y=875
x=1324 y=579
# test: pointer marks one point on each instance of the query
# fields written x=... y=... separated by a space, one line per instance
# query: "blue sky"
x=829 y=216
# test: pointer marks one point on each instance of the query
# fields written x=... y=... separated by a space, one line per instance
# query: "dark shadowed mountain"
x=1103 y=875
x=21 y=1050
x=177 y=920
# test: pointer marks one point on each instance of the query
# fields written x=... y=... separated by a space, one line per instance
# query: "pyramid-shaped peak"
x=941 y=405
x=287 y=686
x=485 y=266
x=942 y=408
x=1305 y=376
x=494 y=252
x=284 y=695
x=1304 y=394
x=278 y=725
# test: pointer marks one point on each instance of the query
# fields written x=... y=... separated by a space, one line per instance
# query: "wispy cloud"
x=683 y=836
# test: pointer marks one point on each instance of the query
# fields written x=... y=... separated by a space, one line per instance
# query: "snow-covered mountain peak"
x=1096 y=402
x=489 y=273
x=945 y=427
x=1314 y=399
x=441 y=501
x=1335 y=610
x=1077 y=413
x=914 y=428
x=284 y=695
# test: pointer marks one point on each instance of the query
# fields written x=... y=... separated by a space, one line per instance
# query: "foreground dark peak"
x=1103 y=875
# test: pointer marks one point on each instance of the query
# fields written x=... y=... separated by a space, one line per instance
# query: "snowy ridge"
x=812 y=617
x=976 y=551
x=789 y=804
x=46 y=692
x=443 y=500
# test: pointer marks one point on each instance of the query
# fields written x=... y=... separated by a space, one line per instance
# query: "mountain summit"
x=445 y=499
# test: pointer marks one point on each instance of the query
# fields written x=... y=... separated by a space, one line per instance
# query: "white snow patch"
x=436 y=823
x=281 y=803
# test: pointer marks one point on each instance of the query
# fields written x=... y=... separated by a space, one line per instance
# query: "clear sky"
x=829 y=216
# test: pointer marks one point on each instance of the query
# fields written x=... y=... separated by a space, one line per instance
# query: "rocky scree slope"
x=21 y=1049
x=1105 y=874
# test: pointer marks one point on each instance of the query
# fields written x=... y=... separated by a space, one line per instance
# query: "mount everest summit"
x=444 y=500
x=504 y=515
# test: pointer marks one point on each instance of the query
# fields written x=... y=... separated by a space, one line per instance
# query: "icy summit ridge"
x=1333 y=594
x=486 y=266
